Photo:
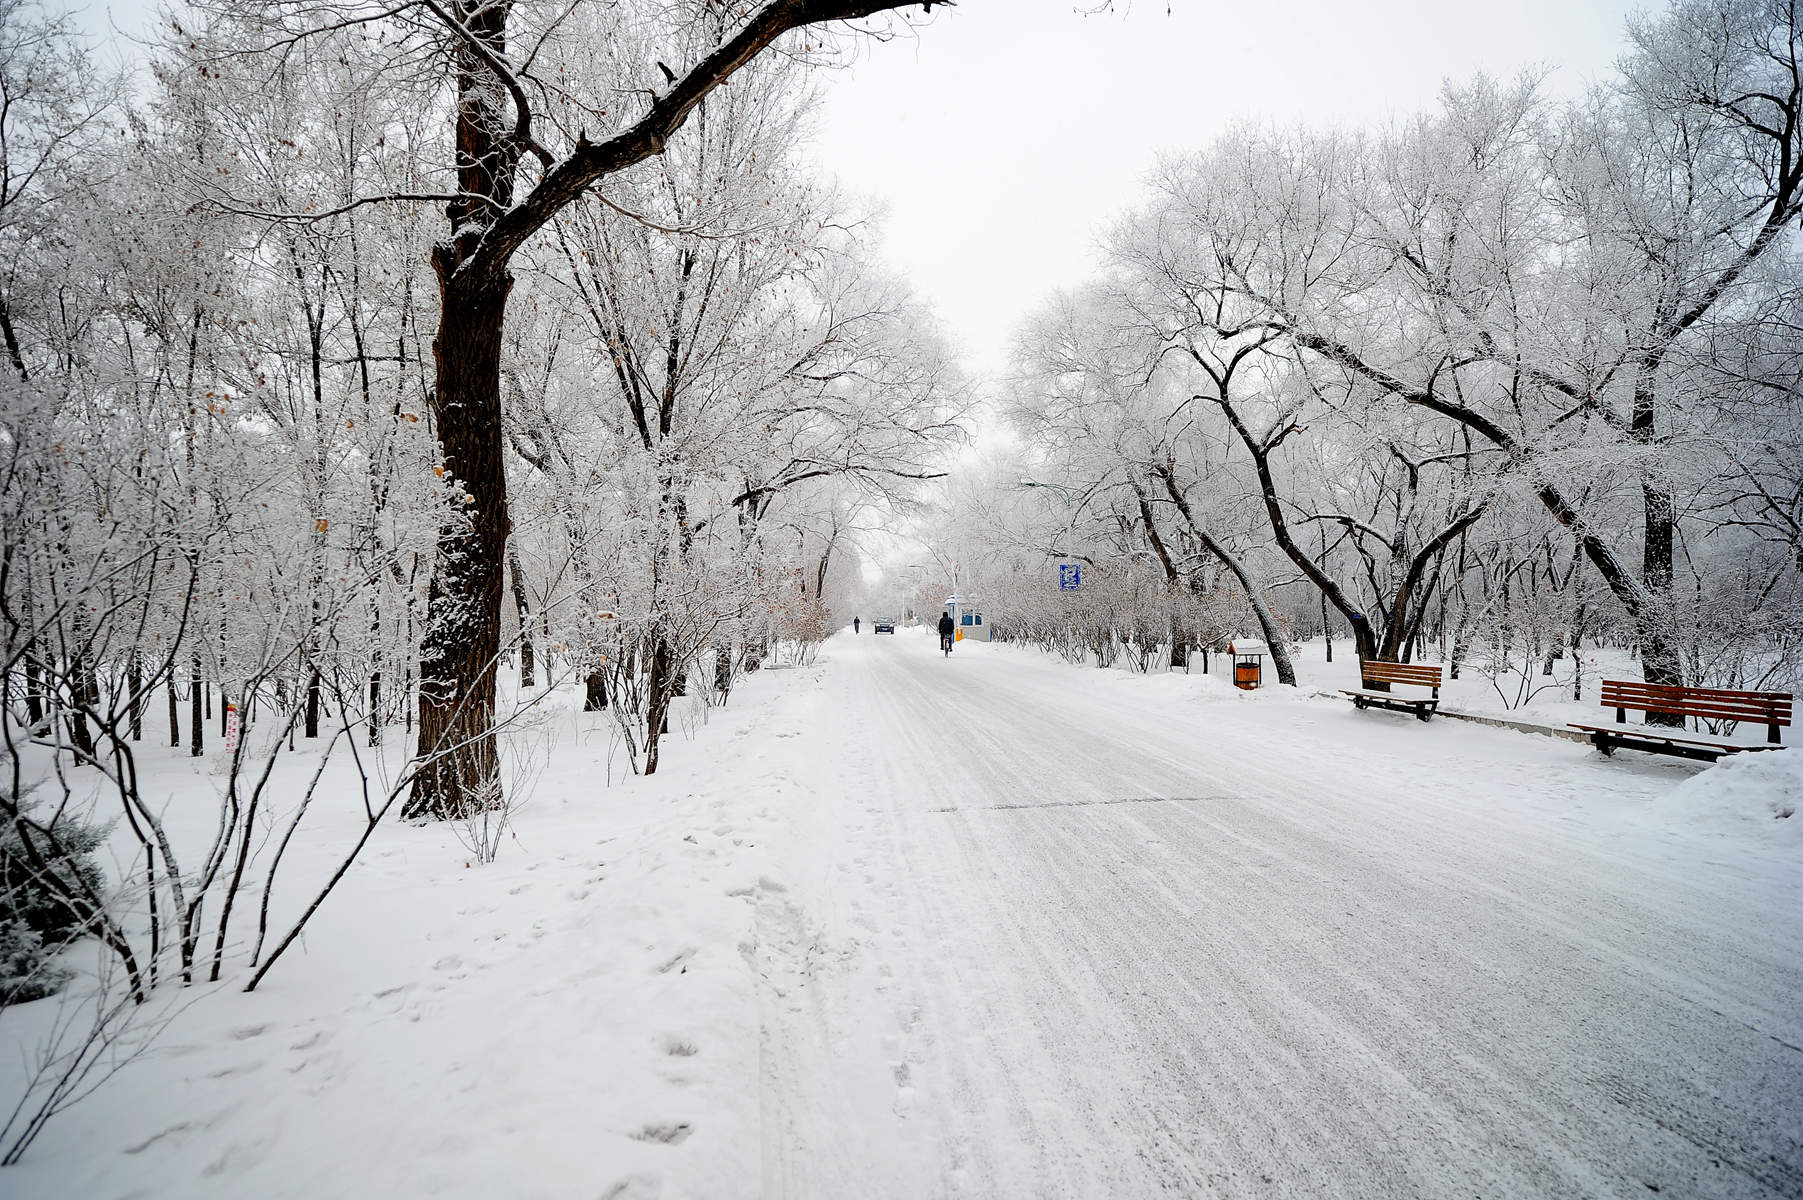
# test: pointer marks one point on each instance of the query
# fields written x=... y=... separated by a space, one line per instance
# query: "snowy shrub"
x=26 y=969
x=41 y=866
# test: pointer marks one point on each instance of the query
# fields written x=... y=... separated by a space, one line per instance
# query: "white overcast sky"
x=1002 y=139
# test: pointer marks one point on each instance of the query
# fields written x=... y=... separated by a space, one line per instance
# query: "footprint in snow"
x=672 y=1133
x=677 y=1047
x=681 y=960
x=635 y=1187
x=178 y=1128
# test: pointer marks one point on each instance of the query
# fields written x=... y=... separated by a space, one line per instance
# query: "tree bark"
x=196 y=719
x=594 y=697
x=663 y=690
x=312 y=729
x=528 y=668
x=1660 y=661
x=460 y=769
x=723 y=670
x=134 y=680
x=34 y=691
x=1326 y=629
x=375 y=676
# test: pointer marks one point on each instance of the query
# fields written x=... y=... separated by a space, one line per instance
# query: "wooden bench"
x=1771 y=709
x=1371 y=672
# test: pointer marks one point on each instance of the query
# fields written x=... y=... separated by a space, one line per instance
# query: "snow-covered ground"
x=1528 y=697
x=896 y=925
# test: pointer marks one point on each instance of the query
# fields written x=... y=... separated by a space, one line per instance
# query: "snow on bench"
x=1373 y=672
x=1771 y=709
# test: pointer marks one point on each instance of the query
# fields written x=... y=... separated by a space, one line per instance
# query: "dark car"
x=883 y=625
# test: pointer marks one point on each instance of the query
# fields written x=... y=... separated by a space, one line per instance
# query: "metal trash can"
x=1248 y=662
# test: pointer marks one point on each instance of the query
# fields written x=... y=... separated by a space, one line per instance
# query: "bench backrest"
x=1370 y=669
x=1716 y=704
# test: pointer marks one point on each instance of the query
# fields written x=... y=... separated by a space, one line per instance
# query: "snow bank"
x=578 y=1019
x=1755 y=793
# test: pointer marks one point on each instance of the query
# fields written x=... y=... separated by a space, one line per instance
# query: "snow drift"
x=1746 y=793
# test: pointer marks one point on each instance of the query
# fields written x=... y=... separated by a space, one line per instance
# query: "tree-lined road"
x=1072 y=934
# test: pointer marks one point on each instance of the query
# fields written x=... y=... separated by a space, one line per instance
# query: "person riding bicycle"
x=946 y=629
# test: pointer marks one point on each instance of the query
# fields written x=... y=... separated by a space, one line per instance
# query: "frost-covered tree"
x=521 y=137
x=722 y=345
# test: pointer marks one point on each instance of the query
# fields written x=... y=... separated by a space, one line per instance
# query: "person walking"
x=854 y=625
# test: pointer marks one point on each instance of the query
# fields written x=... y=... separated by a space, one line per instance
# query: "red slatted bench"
x=1771 y=709
x=1371 y=671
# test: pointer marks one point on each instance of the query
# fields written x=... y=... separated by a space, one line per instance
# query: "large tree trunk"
x=459 y=770
x=1660 y=661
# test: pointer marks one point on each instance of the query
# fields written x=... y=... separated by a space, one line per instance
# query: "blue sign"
x=1070 y=576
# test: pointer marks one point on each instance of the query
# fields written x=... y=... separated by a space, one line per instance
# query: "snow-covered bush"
x=27 y=969
x=47 y=870
x=41 y=865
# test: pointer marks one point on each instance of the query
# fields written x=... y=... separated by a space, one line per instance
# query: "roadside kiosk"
x=1248 y=662
x=967 y=616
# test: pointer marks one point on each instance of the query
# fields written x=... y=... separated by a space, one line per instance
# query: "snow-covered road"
x=1054 y=932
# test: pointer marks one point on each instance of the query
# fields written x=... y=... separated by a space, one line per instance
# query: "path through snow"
x=1067 y=933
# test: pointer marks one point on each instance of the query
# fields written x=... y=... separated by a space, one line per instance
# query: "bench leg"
x=1424 y=713
x=1602 y=743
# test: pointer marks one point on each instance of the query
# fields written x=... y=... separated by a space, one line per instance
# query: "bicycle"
x=945 y=644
